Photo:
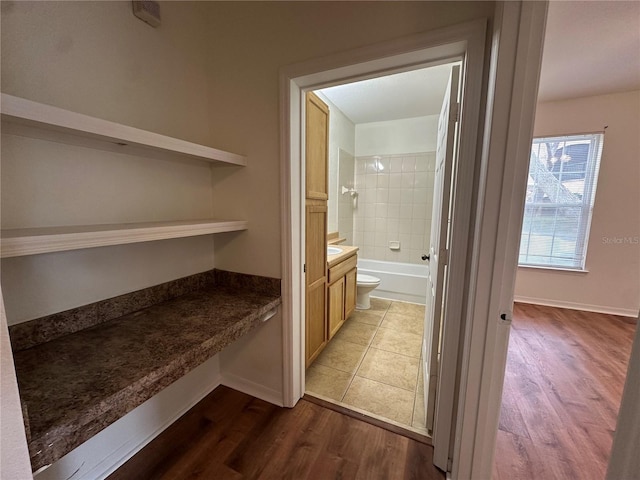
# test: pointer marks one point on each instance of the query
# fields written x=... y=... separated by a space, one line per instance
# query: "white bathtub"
x=406 y=282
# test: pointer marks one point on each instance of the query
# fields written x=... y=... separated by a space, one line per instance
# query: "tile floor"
x=373 y=364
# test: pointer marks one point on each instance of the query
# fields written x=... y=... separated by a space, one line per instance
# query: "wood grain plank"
x=563 y=384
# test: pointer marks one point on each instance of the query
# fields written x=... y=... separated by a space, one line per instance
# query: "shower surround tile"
x=394 y=188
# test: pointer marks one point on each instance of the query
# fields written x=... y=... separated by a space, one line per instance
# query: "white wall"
x=409 y=135
x=342 y=136
x=612 y=283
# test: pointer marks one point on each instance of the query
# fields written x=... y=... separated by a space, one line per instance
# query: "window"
x=560 y=192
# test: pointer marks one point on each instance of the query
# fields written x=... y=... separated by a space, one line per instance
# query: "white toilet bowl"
x=365 y=284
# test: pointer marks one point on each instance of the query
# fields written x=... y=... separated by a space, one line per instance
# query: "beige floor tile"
x=326 y=381
x=379 y=304
x=407 y=308
x=342 y=355
x=390 y=368
x=367 y=316
x=390 y=402
x=356 y=332
x=405 y=323
x=419 y=419
x=396 y=341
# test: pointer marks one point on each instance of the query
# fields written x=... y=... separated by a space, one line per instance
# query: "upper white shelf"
x=33 y=241
x=26 y=112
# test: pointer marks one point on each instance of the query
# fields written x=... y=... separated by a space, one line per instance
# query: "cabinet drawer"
x=341 y=269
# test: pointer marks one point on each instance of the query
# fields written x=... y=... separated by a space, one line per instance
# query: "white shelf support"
x=26 y=112
x=34 y=241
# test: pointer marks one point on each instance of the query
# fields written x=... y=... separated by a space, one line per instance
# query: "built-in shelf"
x=75 y=385
x=26 y=112
x=33 y=241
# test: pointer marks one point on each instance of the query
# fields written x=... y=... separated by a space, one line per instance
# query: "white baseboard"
x=251 y=388
x=624 y=312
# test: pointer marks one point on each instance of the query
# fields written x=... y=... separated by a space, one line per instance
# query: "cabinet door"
x=316 y=278
x=317 y=148
x=336 y=306
x=350 y=289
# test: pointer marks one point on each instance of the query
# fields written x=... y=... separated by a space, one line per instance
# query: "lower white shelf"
x=34 y=241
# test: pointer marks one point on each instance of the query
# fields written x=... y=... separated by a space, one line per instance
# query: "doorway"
x=417 y=52
x=382 y=142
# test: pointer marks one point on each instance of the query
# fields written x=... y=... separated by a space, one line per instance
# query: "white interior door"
x=436 y=378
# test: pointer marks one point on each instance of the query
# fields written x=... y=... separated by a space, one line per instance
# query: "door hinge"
x=304 y=268
x=444 y=256
x=455 y=114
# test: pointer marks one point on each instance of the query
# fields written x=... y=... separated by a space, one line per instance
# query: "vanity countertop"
x=78 y=384
x=347 y=251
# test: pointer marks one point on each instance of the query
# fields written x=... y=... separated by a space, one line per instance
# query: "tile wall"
x=395 y=195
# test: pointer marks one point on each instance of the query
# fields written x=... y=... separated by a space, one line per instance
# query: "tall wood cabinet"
x=317 y=146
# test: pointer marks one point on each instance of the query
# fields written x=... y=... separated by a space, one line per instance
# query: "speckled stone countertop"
x=78 y=384
x=347 y=251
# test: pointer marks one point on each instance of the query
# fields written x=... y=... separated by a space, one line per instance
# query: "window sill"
x=561 y=269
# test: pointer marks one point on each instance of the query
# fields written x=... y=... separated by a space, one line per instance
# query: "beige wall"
x=98 y=59
x=612 y=283
x=209 y=74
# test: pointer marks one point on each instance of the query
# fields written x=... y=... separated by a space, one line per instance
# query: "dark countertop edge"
x=45 y=448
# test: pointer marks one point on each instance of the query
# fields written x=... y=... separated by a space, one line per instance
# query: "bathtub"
x=406 y=282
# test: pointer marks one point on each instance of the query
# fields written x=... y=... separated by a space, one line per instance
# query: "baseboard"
x=111 y=464
x=400 y=297
x=624 y=312
x=251 y=388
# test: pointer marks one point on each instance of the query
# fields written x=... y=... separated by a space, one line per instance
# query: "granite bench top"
x=78 y=384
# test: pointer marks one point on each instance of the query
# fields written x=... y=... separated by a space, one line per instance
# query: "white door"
x=437 y=379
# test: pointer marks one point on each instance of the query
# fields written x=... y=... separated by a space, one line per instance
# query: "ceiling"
x=591 y=48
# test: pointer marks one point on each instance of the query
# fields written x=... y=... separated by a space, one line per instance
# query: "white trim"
x=251 y=388
x=27 y=112
x=585 y=307
x=512 y=90
x=555 y=269
x=464 y=41
x=33 y=241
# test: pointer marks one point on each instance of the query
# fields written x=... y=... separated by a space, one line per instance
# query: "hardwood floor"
x=563 y=385
x=230 y=435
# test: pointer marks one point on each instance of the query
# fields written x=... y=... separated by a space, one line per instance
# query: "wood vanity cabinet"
x=342 y=293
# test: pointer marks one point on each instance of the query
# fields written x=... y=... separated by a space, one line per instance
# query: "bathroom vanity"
x=341 y=281
x=341 y=298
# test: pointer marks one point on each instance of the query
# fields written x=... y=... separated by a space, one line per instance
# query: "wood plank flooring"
x=563 y=385
x=230 y=435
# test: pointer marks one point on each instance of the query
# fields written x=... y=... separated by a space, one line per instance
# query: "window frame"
x=591 y=173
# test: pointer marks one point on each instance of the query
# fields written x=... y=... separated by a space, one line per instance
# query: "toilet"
x=365 y=284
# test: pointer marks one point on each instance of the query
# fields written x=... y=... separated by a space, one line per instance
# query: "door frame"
x=464 y=42
x=501 y=158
